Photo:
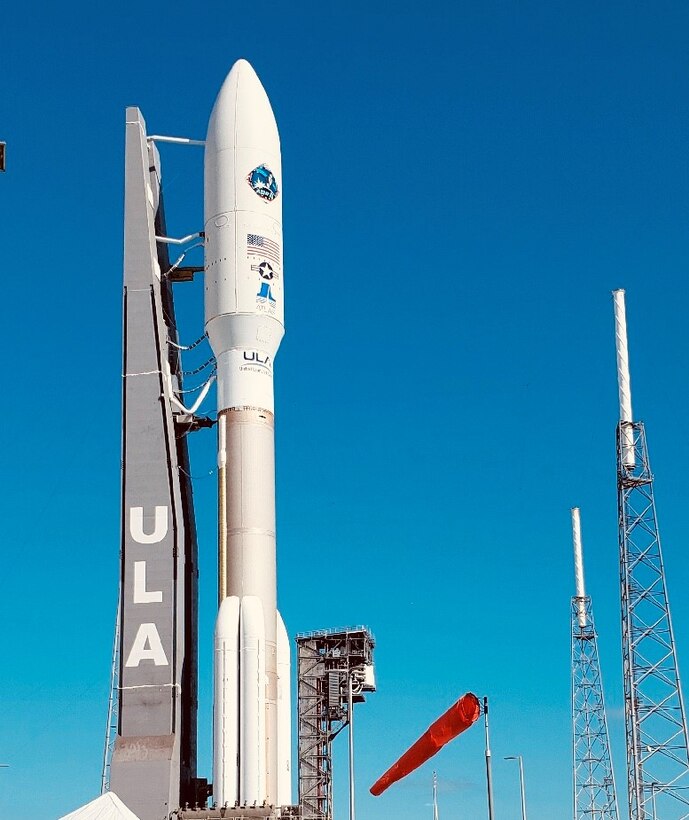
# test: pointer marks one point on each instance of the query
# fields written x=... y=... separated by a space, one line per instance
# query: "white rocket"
x=244 y=309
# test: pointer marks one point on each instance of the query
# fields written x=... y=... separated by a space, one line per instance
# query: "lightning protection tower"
x=595 y=797
x=656 y=726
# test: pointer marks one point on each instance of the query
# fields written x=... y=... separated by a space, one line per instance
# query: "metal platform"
x=236 y=813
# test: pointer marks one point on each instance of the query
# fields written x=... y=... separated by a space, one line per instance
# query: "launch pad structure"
x=334 y=671
x=153 y=764
x=150 y=755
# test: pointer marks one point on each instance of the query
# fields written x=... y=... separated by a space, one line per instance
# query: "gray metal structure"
x=153 y=766
x=328 y=662
x=656 y=726
x=595 y=797
x=230 y=813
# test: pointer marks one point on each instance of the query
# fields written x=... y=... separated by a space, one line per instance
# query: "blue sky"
x=464 y=184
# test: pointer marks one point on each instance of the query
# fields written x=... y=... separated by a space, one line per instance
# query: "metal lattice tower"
x=595 y=797
x=326 y=661
x=113 y=707
x=656 y=726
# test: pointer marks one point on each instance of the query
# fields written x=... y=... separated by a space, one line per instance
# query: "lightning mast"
x=656 y=726
x=595 y=797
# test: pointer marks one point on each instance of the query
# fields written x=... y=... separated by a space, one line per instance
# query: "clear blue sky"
x=464 y=184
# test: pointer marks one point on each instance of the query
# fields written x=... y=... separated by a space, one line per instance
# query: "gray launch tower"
x=656 y=726
x=153 y=763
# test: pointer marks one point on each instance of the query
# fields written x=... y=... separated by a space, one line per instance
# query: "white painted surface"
x=106 y=807
x=242 y=136
x=147 y=646
x=623 y=378
x=141 y=594
x=252 y=697
x=226 y=703
x=244 y=320
x=139 y=522
x=284 y=710
x=578 y=566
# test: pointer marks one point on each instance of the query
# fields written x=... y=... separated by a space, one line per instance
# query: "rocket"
x=244 y=321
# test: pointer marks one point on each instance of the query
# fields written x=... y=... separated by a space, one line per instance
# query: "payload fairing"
x=244 y=309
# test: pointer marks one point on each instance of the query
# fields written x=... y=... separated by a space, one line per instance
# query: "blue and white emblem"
x=264 y=270
x=263 y=181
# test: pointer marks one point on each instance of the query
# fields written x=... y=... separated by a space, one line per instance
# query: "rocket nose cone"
x=242 y=115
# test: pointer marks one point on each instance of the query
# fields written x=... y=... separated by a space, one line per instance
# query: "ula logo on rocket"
x=265 y=294
x=263 y=182
x=252 y=359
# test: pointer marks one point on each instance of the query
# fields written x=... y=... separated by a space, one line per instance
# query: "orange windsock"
x=459 y=717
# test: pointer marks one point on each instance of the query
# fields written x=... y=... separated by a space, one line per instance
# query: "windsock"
x=458 y=718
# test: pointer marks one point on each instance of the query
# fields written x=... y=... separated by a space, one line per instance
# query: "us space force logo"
x=264 y=270
x=265 y=256
x=263 y=182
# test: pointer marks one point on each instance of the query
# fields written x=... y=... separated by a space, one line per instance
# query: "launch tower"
x=595 y=797
x=335 y=669
x=656 y=726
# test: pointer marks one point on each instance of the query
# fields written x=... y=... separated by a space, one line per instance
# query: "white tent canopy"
x=106 y=807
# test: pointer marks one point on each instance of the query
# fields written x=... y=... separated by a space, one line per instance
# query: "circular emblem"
x=263 y=182
x=265 y=270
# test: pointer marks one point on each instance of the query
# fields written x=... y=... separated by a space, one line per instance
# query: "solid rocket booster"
x=244 y=318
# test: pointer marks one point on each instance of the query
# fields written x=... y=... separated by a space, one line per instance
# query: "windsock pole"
x=489 y=769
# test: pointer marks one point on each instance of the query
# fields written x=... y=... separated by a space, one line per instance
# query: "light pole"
x=489 y=772
x=435 y=796
x=521 y=781
x=350 y=716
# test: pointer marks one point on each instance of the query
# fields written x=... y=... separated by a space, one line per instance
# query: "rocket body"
x=244 y=319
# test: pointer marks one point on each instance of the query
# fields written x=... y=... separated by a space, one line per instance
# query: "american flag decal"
x=262 y=246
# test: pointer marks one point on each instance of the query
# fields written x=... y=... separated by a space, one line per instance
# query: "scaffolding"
x=656 y=726
x=335 y=669
x=595 y=796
